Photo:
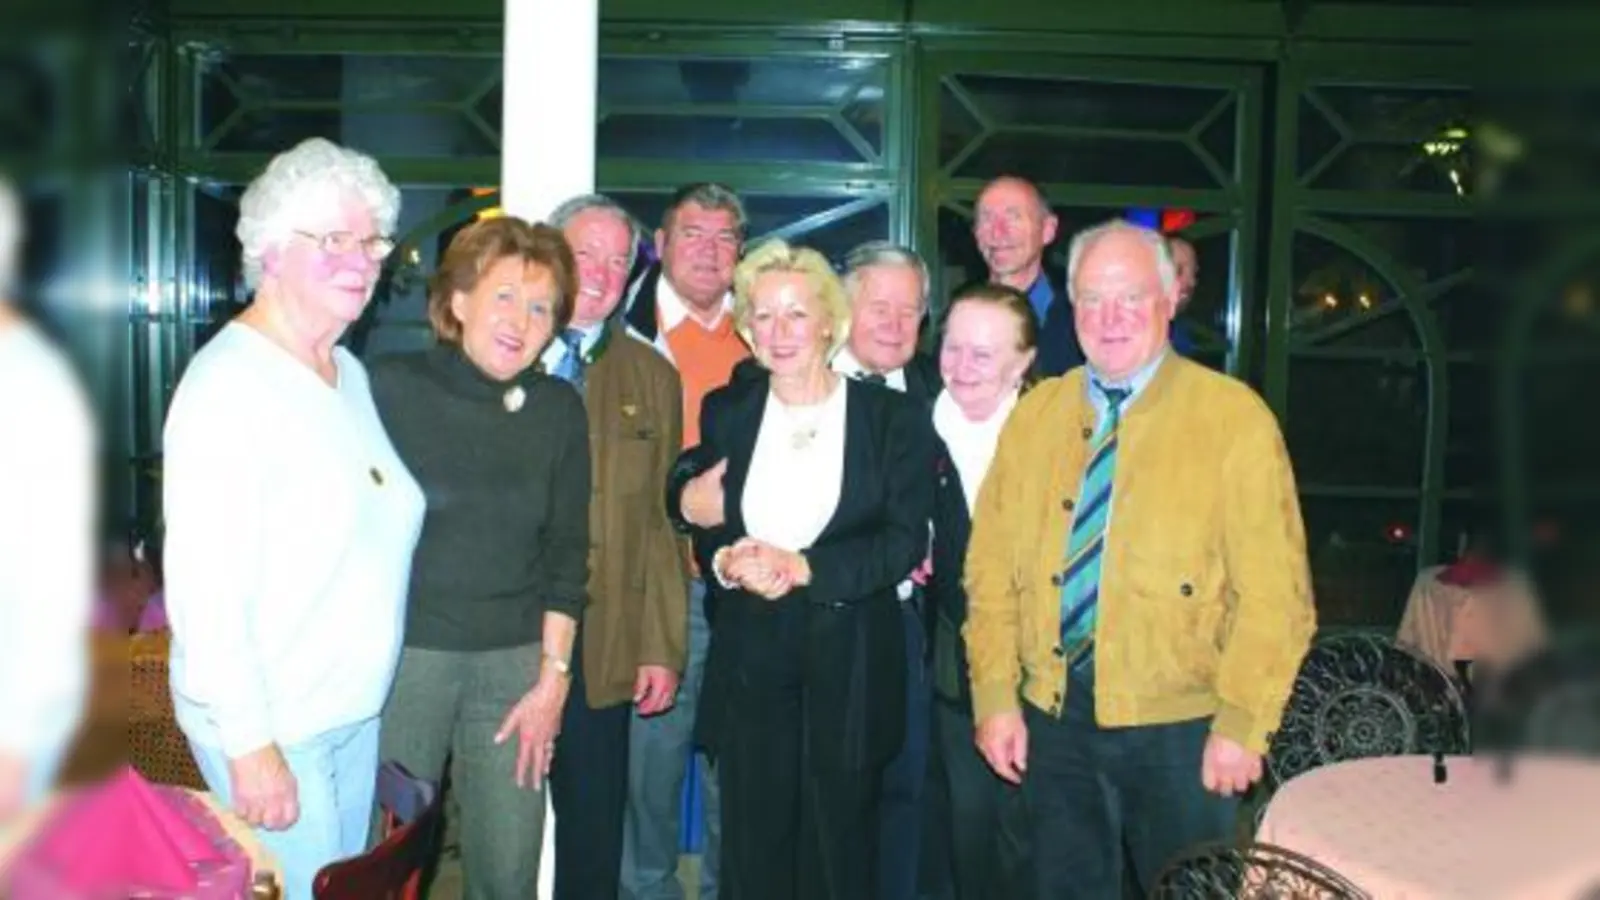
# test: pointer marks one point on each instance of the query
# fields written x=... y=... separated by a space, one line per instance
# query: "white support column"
x=547 y=128
x=547 y=123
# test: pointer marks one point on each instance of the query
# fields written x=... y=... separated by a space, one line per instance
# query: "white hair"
x=1083 y=240
x=883 y=253
x=582 y=203
x=11 y=234
x=313 y=172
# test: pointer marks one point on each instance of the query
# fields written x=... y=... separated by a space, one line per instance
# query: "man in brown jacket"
x=632 y=643
x=1139 y=599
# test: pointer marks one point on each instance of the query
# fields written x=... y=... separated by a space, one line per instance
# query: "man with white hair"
x=46 y=541
x=1139 y=594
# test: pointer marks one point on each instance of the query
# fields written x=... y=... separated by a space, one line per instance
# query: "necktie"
x=570 y=368
x=1080 y=583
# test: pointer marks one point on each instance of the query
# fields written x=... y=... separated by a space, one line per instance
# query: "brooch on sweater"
x=514 y=398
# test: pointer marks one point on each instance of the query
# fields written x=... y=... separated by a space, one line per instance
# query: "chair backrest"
x=413 y=813
x=1359 y=696
x=156 y=747
x=1252 y=871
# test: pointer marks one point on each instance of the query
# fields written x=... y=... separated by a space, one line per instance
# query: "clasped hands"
x=762 y=569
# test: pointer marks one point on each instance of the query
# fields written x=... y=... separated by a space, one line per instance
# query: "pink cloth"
x=1385 y=825
x=109 y=619
x=127 y=837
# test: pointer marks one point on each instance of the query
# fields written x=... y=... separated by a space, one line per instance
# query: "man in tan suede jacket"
x=1138 y=588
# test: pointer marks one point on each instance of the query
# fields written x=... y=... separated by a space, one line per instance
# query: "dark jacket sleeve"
x=566 y=531
x=856 y=565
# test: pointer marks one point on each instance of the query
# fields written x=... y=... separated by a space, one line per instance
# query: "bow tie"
x=872 y=378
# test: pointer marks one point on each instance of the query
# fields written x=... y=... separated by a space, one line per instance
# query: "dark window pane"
x=1363 y=558
x=1426 y=249
x=1048 y=157
x=822 y=83
x=1563 y=436
x=402 y=134
x=1391 y=167
x=1473 y=319
x=1221 y=139
x=1357 y=422
x=1397 y=113
x=29 y=100
x=1315 y=134
x=1339 y=300
x=1009 y=100
x=1472 y=450
x=723 y=138
x=958 y=126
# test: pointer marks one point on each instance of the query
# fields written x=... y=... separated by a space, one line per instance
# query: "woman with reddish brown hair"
x=500 y=574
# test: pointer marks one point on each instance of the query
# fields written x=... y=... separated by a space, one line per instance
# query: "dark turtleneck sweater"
x=506 y=536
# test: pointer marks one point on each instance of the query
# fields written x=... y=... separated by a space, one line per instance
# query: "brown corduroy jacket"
x=638 y=611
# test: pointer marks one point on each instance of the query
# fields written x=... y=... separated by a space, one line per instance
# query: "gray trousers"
x=448 y=704
x=659 y=748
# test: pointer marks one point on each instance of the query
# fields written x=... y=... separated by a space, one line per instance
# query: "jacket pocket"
x=1174 y=623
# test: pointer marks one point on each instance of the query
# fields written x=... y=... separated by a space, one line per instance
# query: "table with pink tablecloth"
x=1389 y=828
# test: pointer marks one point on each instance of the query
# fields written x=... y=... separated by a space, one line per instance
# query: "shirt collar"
x=1135 y=383
x=672 y=309
x=845 y=363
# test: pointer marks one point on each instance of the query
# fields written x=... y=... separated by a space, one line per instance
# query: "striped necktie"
x=570 y=368
x=1080 y=582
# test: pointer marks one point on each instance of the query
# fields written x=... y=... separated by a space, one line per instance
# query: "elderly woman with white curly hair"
x=46 y=536
x=291 y=521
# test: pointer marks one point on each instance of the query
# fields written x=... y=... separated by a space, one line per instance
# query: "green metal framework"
x=878 y=124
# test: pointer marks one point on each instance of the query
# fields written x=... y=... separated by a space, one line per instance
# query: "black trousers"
x=987 y=822
x=1090 y=790
x=791 y=830
x=588 y=793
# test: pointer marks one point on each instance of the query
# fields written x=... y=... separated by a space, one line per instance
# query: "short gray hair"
x=582 y=203
x=707 y=195
x=1083 y=240
x=275 y=202
x=11 y=234
x=883 y=253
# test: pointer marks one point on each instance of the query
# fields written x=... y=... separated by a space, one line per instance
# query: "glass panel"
x=957 y=124
x=1476 y=525
x=723 y=138
x=28 y=101
x=218 y=273
x=1334 y=286
x=1221 y=138
x=1473 y=319
x=1563 y=438
x=1570 y=323
x=349 y=78
x=865 y=115
x=802 y=82
x=1048 y=157
x=1566 y=543
x=1316 y=136
x=1009 y=100
x=1363 y=558
x=1428 y=249
x=1397 y=114
x=1472 y=449
x=1206 y=314
x=1357 y=422
x=1390 y=167
x=403 y=134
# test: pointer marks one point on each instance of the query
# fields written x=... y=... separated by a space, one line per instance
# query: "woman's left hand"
x=536 y=721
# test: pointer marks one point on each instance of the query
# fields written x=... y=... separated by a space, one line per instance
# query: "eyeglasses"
x=344 y=243
x=1124 y=302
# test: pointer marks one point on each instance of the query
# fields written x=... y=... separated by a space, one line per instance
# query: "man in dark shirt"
x=1013 y=224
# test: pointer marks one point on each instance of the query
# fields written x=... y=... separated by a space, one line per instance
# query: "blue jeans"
x=900 y=798
x=337 y=776
x=659 y=748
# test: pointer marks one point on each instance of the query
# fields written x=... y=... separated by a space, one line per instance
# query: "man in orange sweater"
x=1139 y=594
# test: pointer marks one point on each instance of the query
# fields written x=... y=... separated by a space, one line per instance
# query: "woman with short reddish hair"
x=500 y=576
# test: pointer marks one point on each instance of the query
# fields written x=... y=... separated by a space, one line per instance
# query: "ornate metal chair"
x=1251 y=871
x=1359 y=696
